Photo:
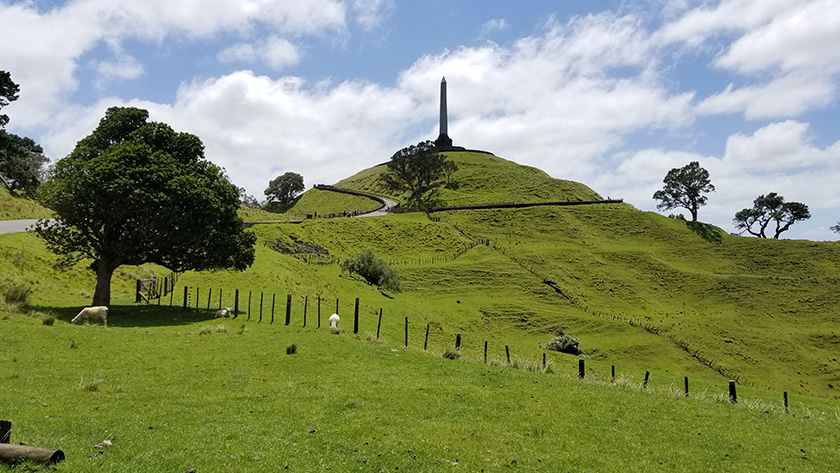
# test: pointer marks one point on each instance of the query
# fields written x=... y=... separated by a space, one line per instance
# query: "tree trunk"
x=102 y=295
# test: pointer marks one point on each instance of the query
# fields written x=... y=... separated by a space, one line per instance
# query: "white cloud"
x=370 y=14
x=784 y=96
x=275 y=51
x=491 y=26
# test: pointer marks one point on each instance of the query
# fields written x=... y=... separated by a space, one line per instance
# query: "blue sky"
x=609 y=93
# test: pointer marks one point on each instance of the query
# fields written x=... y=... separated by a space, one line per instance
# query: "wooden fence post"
x=197 y=293
x=647 y=376
x=319 y=311
x=457 y=341
x=733 y=396
x=581 y=369
x=336 y=305
x=686 y=386
x=406 y=332
x=485 y=352
x=507 y=353
x=613 y=373
x=426 y=342
x=356 y=317
x=249 y=305
x=273 y=299
x=786 y=402
x=220 y=299
x=379 y=324
x=305 y=304
x=543 y=361
x=236 y=304
x=5 y=431
x=261 y=306
x=209 y=294
x=288 y=309
x=137 y=292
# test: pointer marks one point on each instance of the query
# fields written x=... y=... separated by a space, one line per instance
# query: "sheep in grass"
x=223 y=313
x=92 y=314
x=334 y=319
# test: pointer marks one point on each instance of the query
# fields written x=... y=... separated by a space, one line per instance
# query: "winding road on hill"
x=15 y=226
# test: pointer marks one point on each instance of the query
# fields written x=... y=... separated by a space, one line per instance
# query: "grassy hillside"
x=19 y=208
x=484 y=178
x=321 y=202
x=172 y=390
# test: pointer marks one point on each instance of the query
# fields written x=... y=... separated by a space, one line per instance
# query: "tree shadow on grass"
x=139 y=315
x=706 y=231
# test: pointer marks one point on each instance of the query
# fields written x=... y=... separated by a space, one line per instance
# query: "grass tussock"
x=451 y=353
x=91 y=385
x=208 y=329
x=14 y=293
x=291 y=349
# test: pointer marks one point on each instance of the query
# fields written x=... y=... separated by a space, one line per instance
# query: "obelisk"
x=443 y=141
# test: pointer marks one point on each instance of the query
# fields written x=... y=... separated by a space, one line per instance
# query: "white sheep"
x=223 y=313
x=92 y=314
x=334 y=319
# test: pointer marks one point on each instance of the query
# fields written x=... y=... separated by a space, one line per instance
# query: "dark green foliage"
x=417 y=169
x=21 y=163
x=770 y=208
x=684 y=188
x=375 y=271
x=283 y=189
x=291 y=349
x=8 y=93
x=135 y=192
x=835 y=228
x=564 y=344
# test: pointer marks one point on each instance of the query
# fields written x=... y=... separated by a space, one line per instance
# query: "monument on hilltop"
x=443 y=141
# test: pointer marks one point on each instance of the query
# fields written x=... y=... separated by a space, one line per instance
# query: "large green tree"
x=284 y=188
x=21 y=163
x=416 y=168
x=135 y=192
x=767 y=209
x=684 y=188
x=8 y=93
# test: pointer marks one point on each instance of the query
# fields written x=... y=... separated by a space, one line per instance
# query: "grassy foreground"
x=172 y=391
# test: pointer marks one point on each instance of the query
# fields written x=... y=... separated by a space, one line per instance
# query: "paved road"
x=389 y=206
x=15 y=226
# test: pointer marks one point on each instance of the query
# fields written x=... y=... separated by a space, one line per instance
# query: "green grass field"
x=19 y=208
x=175 y=389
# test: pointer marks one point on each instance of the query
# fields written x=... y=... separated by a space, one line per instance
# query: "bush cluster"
x=564 y=344
x=375 y=271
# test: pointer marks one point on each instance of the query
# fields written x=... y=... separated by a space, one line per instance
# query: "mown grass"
x=481 y=179
x=175 y=397
x=322 y=203
x=14 y=207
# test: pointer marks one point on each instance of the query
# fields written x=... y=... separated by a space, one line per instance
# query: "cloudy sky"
x=609 y=93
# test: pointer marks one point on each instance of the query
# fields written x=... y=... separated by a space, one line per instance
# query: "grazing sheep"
x=92 y=314
x=223 y=313
x=334 y=321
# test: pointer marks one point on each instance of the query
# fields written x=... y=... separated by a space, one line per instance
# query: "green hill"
x=481 y=178
x=641 y=291
x=19 y=208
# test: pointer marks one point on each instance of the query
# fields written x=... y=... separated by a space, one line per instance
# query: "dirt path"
x=15 y=226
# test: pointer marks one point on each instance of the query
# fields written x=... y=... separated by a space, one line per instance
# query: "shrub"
x=564 y=344
x=14 y=292
x=48 y=320
x=451 y=353
x=375 y=271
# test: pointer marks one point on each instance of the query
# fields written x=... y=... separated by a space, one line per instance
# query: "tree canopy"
x=684 y=188
x=21 y=163
x=8 y=94
x=416 y=169
x=134 y=192
x=285 y=188
x=767 y=209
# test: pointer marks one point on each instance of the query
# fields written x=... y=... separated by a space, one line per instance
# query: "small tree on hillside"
x=21 y=163
x=416 y=168
x=8 y=94
x=835 y=228
x=135 y=192
x=770 y=208
x=684 y=188
x=375 y=271
x=285 y=188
